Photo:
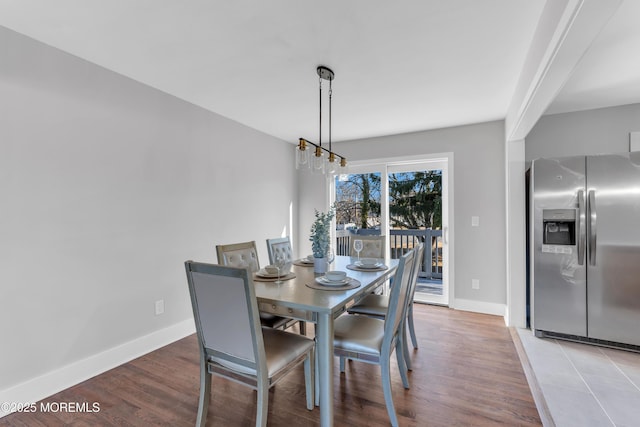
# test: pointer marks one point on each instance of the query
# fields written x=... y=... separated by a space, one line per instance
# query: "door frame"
x=441 y=161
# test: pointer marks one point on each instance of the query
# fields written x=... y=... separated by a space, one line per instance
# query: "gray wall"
x=479 y=190
x=107 y=187
x=600 y=131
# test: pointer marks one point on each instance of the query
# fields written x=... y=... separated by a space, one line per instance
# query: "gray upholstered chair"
x=245 y=255
x=232 y=342
x=372 y=246
x=414 y=280
x=377 y=305
x=373 y=340
x=282 y=246
x=242 y=254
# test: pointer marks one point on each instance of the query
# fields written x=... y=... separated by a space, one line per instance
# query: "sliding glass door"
x=407 y=201
x=416 y=215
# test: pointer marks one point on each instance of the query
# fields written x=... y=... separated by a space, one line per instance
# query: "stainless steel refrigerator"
x=585 y=234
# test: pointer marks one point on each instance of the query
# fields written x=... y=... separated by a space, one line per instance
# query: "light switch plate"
x=159 y=307
x=634 y=141
x=475 y=221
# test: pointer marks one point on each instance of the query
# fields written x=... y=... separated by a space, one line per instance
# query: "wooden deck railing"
x=401 y=241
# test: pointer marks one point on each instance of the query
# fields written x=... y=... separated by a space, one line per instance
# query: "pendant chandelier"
x=322 y=160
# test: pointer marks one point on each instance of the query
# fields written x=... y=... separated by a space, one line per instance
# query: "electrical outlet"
x=475 y=221
x=159 y=307
x=475 y=284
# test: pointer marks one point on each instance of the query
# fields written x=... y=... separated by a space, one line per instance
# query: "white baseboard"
x=480 y=307
x=53 y=382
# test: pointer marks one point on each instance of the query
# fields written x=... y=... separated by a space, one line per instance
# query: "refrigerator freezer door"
x=559 y=277
x=614 y=269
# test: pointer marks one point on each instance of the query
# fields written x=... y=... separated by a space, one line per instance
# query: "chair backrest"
x=372 y=246
x=417 y=266
x=243 y=255
x=225 y=312
x=280 y=246
x=398 y=297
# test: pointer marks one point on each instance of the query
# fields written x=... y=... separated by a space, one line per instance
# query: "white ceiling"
x=400 y=66
x=609 y=72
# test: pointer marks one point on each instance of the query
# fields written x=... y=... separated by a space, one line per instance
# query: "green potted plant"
x=321 y=239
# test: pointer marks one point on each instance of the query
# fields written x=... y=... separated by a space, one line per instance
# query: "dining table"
x=303 y=297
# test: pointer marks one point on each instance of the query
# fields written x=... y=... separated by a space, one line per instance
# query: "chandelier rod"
x=320 y=109
x=306 y=141
x=330 y=96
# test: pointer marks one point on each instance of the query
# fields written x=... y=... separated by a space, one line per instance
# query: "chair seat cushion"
x=359 y=334
x=280 y=347
x=283 y=347
x=371 y=305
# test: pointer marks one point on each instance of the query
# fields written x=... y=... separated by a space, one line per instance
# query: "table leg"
x=324 y=353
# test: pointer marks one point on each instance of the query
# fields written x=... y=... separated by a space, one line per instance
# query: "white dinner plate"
x=326 y=282
x=368 y=266
x=263 y=273
x=306 y=261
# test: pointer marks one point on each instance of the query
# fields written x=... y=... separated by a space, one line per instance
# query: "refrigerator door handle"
x=592 y=226
x=582 y=223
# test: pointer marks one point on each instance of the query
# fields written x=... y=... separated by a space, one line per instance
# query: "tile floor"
x=584 y=385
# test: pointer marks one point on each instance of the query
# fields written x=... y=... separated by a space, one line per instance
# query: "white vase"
x=319 y=265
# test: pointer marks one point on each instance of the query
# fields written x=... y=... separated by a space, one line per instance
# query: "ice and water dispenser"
x=559 y=230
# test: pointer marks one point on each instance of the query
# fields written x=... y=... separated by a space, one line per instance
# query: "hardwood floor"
x=466 y=372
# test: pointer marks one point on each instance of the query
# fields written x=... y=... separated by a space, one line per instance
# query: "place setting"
x=304 y=262
x=273 y=273
x=334 y=281
x=368 y=264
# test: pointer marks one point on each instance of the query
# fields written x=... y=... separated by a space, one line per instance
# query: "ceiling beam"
x=565 y=31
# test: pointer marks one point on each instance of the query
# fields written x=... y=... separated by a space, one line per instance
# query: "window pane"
x=358 y=201
x=415 y=200
x=415 y=215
